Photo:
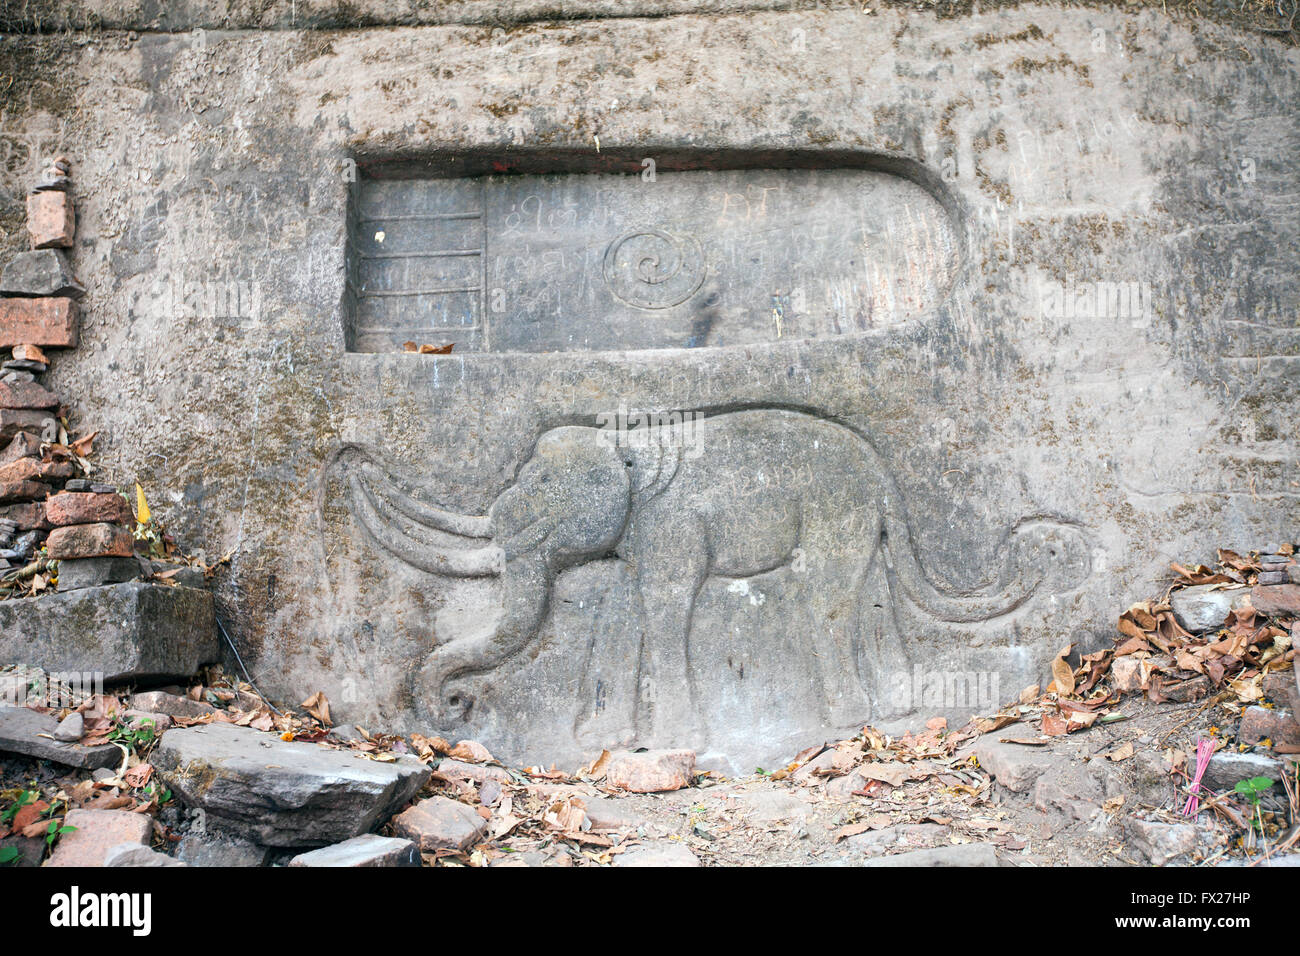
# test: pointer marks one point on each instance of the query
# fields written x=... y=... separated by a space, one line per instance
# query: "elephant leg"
x=668 y=582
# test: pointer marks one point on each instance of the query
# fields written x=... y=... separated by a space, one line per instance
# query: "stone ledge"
x=130 y=631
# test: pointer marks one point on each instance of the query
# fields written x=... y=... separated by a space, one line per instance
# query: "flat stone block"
x=40 y=272
x=363 y=851
x=31 y=733
x=78 y=573
x=126 y=631
x=278 y=793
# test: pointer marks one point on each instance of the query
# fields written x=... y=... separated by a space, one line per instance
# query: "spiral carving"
x=651 y=269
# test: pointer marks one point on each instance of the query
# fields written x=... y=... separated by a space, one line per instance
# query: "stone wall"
x=1038 y=463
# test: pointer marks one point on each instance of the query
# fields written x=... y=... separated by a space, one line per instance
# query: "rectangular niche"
x=559 y=252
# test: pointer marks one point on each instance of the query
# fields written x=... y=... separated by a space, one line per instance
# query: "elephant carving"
x=754 y=491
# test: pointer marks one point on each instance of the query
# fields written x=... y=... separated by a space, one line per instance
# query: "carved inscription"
x=599 y=261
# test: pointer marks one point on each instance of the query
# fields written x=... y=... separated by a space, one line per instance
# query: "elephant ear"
x=587 y=491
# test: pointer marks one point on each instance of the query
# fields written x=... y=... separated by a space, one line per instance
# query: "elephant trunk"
x=526 y=586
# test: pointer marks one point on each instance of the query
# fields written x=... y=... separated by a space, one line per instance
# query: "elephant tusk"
x=469 y=563
x=465 y=526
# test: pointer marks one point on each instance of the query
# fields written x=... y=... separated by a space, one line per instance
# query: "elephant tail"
x=1034 y=553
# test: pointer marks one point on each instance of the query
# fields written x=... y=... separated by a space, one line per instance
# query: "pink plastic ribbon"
x=1204 y=751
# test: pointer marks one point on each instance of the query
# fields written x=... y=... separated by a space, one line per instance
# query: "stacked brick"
x=40 y=494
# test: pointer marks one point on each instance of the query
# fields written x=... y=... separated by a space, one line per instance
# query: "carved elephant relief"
x=753 y=491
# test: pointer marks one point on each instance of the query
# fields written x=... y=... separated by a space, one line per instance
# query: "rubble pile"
x=1176 y=745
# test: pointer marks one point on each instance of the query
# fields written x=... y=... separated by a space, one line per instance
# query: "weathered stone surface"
x=963 y=854
x=28 y=732
x=1227 y=768
x=127 y=854
x=1160 y=842
x=78 y=573
x=41 y=272
x=51 y=221
x=206 y=848
x=652 y=771
x=98 y=832
x=127 y=631
x=282 y=794
x=1015 y=766
x=1277 y=726
x=173 y=705
x=1204 y=607
x=49 y=322
x=1276 y=599
x=89 y=541
x=80 y=507
x=439 y=823
x=26 y=395
x=989 y=407
x=1283 y=688
x=658 y=853
x=70 y=728
x=606 y=813
x=1070 y=789
x=362 y=851
x=472 y=771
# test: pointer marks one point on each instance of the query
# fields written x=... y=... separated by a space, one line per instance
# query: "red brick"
x=97 y=832
x=1276 y=599
x=50 y=220
x=22 y=491
x=1272 y=724
x=28 y=517
x=33 y=469
x=90 y=541
x=49 y=321
x=26 y=395
x=86 y=507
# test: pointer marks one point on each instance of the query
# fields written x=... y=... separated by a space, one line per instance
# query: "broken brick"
x=85 y=507
x=28 y=517
x=26 y=395
x=50 y=220
x=90 y=541
x=51 y=322
x=22 y=491
x=33 y=469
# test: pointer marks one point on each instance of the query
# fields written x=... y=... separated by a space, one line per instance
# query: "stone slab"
x=43 y=272
x=363 y=851
x=30 y=733
x=279 y=793
x=131 y=631
x=51 y=221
